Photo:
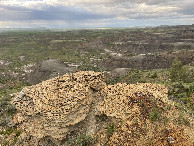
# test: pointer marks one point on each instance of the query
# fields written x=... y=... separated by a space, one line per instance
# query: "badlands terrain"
x=130 y=86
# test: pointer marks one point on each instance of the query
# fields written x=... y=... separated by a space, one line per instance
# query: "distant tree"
x=177 y=72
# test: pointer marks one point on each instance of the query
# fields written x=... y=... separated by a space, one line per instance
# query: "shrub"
x=177 y=72
x=182 y=92
x=154 y=75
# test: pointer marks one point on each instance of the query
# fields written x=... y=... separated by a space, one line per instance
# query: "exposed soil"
x=48 y=69
x=152 y=61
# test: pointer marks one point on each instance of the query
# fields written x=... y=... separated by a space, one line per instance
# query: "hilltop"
x=81 y=109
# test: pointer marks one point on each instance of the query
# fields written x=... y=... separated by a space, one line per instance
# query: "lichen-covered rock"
x=123 y=100
x=65 y=107
x=52 y=107
x=138 y=106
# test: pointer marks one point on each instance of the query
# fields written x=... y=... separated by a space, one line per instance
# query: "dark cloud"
x=64 y=13
x=187 y=10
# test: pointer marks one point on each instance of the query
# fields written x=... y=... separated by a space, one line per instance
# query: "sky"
x=94 y=13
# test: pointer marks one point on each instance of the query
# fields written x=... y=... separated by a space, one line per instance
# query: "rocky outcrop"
x=138 y=105
x=124 y=101
x=73 y=104
x=52 y=107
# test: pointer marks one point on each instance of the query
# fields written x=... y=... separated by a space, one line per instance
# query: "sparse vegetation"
x=10 y=132
x=84 y=140
x=182 y=119
x=102 y=50
x=154 y=115
x=110 y=129
x=182 y=92
x=154 y=75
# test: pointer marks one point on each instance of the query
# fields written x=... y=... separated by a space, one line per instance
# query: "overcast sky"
x=94 y=13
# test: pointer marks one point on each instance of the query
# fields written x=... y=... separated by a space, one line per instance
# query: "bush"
x=154 y=75
x=177 y=72
x=6 y=111
x=182 y=92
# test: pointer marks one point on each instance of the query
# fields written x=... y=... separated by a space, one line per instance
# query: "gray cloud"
x=95 y=12
x=47 y=13
x=187 y=9
x=116 y=2
x=62 y=12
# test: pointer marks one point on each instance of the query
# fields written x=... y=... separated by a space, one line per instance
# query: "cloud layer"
x=90 y=13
